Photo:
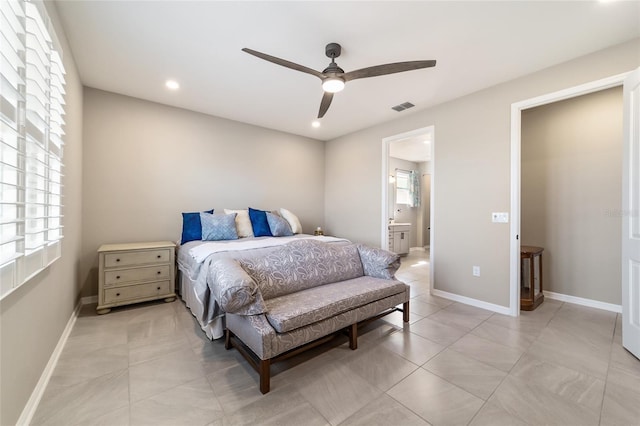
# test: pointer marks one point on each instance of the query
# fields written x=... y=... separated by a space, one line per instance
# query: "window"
x=403 y=193
x=31 y=143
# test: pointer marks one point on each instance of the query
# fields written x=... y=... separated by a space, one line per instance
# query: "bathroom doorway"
x=407 y=192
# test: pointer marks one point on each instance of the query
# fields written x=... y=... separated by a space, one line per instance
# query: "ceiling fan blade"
x=387 y=69
x=324 y=104
x=284 y=63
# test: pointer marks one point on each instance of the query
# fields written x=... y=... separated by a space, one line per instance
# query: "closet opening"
x=556 y=175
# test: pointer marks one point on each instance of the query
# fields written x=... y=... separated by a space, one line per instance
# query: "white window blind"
x=31 y=142
x=402 y=187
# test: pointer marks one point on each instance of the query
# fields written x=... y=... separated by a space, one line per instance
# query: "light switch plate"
x=500 y=217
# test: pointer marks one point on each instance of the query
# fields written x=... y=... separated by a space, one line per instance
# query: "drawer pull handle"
x=117 y=294
x=158 y=288
x=118 y=277
x=159 y=256
x=117 y=260
x=159 y=272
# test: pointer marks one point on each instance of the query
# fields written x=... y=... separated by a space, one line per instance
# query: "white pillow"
x=293 y=220
x=243 y=223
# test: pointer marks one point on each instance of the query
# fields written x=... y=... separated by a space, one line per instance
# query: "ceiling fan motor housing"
x=333 y=68
x=333 y=50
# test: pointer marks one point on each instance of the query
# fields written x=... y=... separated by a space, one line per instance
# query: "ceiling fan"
x=334 y=78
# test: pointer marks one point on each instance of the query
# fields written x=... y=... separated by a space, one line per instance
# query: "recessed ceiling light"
x=172 y=84
x=315 y=124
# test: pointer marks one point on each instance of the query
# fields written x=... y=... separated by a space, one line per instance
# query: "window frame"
x=31 y=143
x=403 y=194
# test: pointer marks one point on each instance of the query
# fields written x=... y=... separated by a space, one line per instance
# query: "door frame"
x=516 y=128
x=385 y=190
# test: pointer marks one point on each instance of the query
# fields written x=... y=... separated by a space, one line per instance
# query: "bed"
x=194 y=259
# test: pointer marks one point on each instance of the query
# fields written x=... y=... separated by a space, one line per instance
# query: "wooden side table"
x=530 y=277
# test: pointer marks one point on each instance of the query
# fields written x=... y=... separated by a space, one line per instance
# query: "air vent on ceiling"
x=403 y=106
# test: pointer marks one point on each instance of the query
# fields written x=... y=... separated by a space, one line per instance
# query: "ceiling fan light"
x=172 y=85
x=333 y=84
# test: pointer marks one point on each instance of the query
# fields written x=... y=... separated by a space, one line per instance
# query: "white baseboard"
x=32 y=404
x=89 y=300
x=582 y=301
x=473 y=302
x=550 y=294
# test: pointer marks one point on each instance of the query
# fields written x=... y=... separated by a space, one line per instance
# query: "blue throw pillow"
x=279 y=225
x=191 y=227
x=259 y=223
x=217 y=227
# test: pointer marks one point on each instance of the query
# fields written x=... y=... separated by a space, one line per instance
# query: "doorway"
x=516 y=127
x=571 y=188
x=407 y=193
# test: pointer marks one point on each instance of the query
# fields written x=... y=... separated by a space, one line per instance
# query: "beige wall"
x=145 y=163
x=33 y=317
x=471 y=176
x=571 y=187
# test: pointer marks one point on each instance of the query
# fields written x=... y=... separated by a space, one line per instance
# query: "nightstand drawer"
x=149 y=273
x=141 y=291
x=136 y=257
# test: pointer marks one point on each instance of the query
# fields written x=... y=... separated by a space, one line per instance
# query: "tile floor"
x=453 y=364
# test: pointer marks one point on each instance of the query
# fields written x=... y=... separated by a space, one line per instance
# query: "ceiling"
x=414 y=148
x=133 y=47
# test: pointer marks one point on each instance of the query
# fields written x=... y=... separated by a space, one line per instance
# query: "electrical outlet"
x=500 y=217
x=476 y=271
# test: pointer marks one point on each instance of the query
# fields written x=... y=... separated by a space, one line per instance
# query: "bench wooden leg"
x=353 y=336
x=265 y=375
x=405 y=311
x=227 y=339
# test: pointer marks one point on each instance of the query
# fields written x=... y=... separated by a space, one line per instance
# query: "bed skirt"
x=215 y=328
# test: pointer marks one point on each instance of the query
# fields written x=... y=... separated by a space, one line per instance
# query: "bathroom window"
x=403 y=193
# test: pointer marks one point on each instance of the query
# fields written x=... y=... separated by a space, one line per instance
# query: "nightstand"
x=135 y=272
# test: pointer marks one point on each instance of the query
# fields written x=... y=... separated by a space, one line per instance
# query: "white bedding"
x=194 y=259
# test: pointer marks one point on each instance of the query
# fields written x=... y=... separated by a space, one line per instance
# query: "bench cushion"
x=303 y=264
x=286 y=313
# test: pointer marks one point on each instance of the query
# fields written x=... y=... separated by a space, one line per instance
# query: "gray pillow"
x=279 y=226
x=216 y=227
x=235 y=290
x=378 y=263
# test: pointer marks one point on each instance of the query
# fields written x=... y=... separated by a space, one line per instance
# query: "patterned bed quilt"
x=195 y=259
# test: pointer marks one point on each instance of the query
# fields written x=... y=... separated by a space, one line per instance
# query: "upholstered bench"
x=300 y=295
